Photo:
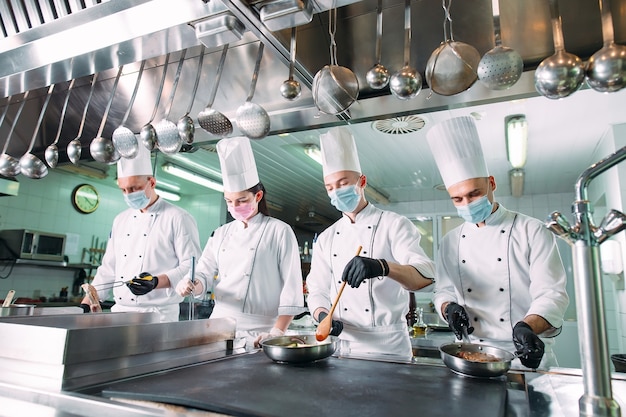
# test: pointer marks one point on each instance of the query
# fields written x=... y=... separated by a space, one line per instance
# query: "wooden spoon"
x=323 y=329
x=9 y=298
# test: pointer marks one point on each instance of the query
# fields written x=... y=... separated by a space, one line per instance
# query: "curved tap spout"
x=596 y=169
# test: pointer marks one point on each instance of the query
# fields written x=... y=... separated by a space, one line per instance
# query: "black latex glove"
x=527 y=341
x=457 y=319
x=336 y=326
x=86 y=308
x=142 y=284
x=360 y=268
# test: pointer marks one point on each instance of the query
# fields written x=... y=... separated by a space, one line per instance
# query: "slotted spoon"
x=252 y=119
x=123 y=138
x=210 y=119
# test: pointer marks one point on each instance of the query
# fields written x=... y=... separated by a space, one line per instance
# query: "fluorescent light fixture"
x=169 y=186
x=516 y=132
x=373 y=194
x=192 y=177
x=313 y=151
x=167 y=195
x=516 y=179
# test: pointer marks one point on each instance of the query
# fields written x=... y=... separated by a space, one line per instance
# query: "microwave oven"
x=31 y=244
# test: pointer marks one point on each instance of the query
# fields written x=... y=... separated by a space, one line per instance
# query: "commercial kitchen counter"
x=166 y=369
x=351 y=387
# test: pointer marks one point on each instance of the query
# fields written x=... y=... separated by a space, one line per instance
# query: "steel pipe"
x=585 y=239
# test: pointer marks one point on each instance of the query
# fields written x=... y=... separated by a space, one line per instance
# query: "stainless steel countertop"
x=553 y=393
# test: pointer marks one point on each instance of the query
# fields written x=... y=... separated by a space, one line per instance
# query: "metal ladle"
x=74 y=148
x=378 y=76
x=210 y=119
x=290 y=89
x=563 y=73
x=30 y=165
x=4 y=114
x=147 y=134
x=10 y=166
x=167 y=136
x=606 y=69
x=252 y=119
x=52 y=151
x=501 y=67
x=406 y=83
x=100 y=148
x=185 y=125
x=124 y=140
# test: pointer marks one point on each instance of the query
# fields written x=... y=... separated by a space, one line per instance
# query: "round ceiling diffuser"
x=399 y=125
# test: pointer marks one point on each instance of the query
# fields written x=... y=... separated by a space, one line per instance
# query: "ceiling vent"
x=399 y=125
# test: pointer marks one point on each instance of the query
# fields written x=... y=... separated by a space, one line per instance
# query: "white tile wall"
x=45 y=205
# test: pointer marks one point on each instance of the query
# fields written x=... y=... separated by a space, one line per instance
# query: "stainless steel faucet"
x=585 y=238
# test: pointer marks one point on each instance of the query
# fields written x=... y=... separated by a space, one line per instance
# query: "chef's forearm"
x=409 y=277
x=537 y=323
x=283 y=322
x=164 y=281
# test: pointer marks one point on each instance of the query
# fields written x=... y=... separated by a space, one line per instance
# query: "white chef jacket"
x=500 y=273
x=161 y=240
x=259 y=273
x=374 y=314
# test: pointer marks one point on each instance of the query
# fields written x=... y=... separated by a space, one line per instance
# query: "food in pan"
x=477 y=357
x=92 y=295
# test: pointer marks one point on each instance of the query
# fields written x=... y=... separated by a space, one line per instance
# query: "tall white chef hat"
x=456 y=147
x=239 y=171
x=339 y=151
x=139 y=165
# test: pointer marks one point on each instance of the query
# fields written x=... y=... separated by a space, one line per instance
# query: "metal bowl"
x=299 y=349
x=450 y=352
x=17 y=310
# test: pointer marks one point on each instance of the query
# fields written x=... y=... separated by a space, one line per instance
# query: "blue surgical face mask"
x=345 y=199
x=477 y=211
x=137 y=200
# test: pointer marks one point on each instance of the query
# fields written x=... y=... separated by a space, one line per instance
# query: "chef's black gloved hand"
x=527 y=341
x=336 y=326
x=457 y=319
x=86 y=308
x=142 y=284
x=360 y=268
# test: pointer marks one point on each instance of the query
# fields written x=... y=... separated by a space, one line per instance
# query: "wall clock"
x=85 y=198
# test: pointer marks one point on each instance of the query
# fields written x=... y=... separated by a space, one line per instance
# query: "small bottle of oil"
x=419 y=328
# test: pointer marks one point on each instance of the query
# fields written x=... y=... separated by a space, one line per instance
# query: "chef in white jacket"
x=255 y=257
x=371 y=314
x=151 y=245
x=499 y=274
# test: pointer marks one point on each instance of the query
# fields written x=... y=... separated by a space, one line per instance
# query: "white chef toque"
x=239 y=171
x=456 y=147
x=339 y=151
x=139 y=165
